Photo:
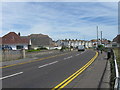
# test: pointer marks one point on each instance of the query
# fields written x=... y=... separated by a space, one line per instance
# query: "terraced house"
x=74 y=43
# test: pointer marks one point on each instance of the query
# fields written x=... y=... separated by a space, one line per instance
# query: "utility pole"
x=97 y=36
x=101 y=37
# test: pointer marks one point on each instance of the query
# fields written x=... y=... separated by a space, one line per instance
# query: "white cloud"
x=60 y=19
x=60 y=0
x=43 y=28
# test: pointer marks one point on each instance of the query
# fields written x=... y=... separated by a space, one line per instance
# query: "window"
x=19 y=46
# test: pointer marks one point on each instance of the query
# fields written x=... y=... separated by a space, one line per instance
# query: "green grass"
x=32 y=50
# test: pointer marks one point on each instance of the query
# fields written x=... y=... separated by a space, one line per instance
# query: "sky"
x=61 y=20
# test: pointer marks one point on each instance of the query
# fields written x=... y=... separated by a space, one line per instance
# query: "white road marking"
x=68 y=57
x=83 y=52
x=65 y=58
x=11 y=75
x=53 y=62
x=48 y=64
x=77 y=54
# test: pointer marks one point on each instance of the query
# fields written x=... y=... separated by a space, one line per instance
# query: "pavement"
x=98 y=73
x=49 y=72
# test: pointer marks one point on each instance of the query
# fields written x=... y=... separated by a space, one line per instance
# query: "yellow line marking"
x=74 y=75
x=34 y=60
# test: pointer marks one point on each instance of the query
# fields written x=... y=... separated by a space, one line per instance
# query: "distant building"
x=14 y=41
x=116 y=41
x=105 y=42
x=74 y=43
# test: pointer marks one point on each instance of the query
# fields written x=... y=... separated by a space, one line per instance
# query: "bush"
x=101 y=47
x=43 y=48
x=56 y=49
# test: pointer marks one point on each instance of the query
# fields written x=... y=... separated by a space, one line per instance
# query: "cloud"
x=60 y=19
x=60 y=0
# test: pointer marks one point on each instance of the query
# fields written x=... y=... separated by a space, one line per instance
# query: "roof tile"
x=13 y=38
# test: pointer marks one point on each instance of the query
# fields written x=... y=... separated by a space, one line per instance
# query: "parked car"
x=81 y=48
x=6 y=48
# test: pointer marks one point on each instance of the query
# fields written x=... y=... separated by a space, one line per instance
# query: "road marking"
x=53 y=62
x=68 y=57
x=74 y=75
x=48 y=64
x=77 y=54
x=11 y=75
x=34 y=60
x=83 y=52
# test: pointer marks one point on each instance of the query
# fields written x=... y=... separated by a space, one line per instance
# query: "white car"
x=81 y=48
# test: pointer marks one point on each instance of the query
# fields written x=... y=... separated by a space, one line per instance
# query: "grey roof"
x=40 y=39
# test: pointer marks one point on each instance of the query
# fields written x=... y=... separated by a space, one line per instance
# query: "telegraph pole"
x=101 y=37
x=97 y=36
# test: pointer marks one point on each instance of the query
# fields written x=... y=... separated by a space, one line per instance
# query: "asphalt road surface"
x=47 y=72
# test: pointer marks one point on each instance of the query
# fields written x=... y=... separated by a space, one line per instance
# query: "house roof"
x=38 y=35
x=40 y=40
x=104 y=41
x=13 y=38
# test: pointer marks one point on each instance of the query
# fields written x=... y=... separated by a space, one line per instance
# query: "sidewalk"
x=97 y=75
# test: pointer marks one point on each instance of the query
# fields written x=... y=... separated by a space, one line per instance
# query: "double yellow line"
x=33 y=60
x=74 y=75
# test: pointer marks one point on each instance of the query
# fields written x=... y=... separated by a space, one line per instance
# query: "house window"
x=19 y=47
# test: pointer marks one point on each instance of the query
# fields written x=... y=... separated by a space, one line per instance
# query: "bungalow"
x=14 y=41
x=40 y=40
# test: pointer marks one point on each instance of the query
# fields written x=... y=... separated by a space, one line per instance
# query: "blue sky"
x=60 y=20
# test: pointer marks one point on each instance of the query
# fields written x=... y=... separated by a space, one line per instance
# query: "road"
x=47 y=72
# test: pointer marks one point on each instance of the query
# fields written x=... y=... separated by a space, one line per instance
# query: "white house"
x=74 y=43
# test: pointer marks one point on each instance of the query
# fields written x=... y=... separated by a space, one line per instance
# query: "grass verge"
x=32 y=50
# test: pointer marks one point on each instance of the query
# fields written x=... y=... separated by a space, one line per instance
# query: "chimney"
x=19 y=33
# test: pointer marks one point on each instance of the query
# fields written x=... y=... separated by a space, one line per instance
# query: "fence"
x=8 y=55
x=117 y=81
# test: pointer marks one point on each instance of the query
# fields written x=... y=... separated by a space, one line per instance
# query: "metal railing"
x=117 y=81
